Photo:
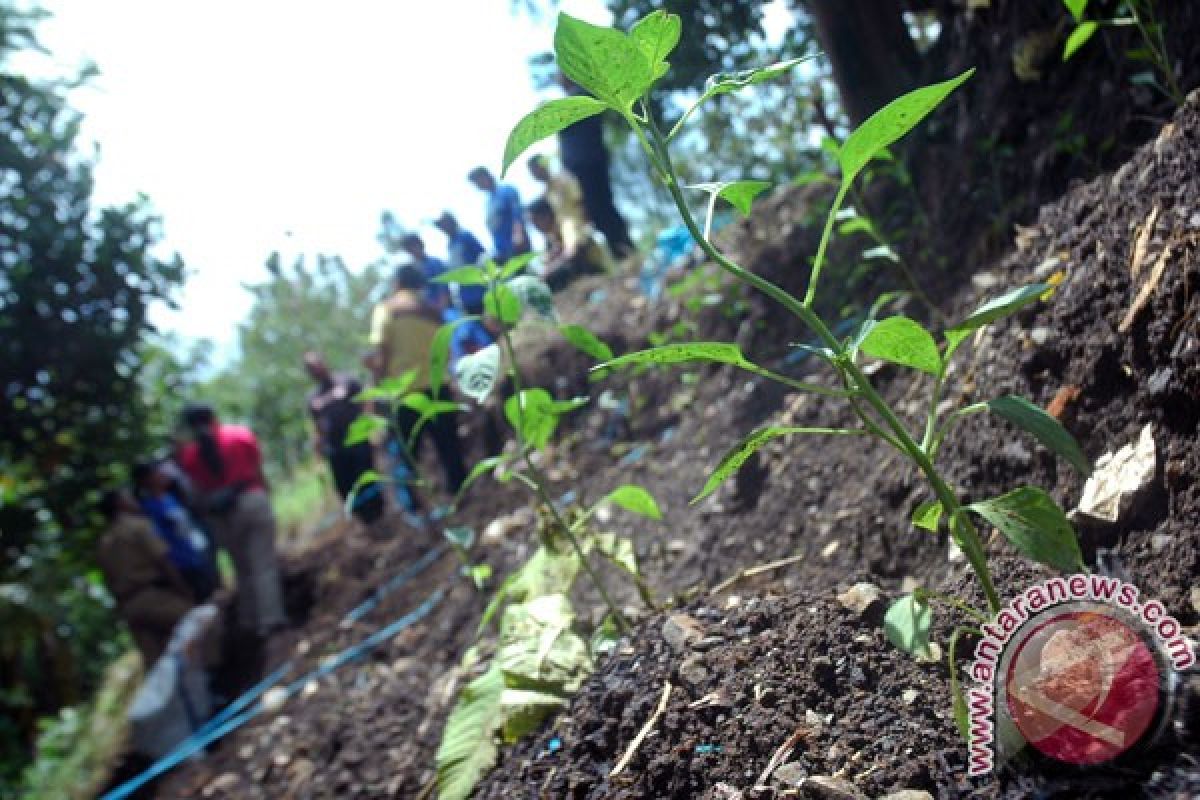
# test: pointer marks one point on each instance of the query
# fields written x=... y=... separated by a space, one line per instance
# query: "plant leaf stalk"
x=963 y=531
x=537 y=481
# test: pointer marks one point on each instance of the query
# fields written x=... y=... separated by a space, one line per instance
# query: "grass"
x=78 y=749
x=302 y=499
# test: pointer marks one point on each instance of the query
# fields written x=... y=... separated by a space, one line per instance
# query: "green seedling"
x=542 y=651
x=619 y=69
x=1131 y=13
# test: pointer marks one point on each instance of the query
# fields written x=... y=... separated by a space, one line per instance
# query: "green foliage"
x=890 y=124
x=534 y=415
x=545 y=121
x=738 y=456
x=606 y=62
x=903 y=341
x=928 y=515
x=1079 y=37
x=468 y=748
x=586 y=341
x=1037 y=527
x=635 y=499
x=906 y=624
x=739 y=194
x=1045 y=428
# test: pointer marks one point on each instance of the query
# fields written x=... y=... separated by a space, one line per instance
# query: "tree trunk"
x=869 y=47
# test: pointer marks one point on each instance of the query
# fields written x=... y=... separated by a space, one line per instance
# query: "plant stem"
x=922 y=594
x=537 y=481
x=965 y=534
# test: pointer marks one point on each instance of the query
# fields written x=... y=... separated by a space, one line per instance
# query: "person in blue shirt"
x=464 y=250
x=435 y=294
x=187 y=547
x=505 y=215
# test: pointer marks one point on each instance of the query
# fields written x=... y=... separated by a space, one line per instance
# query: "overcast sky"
x=291 y=124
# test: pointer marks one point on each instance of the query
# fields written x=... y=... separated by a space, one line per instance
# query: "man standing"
x=583 y=152
x=225 y=466
x=504 y=218
x=333 y=408
x=151 y=595
x=436 y=295
x=464 y=250
x=402 y=331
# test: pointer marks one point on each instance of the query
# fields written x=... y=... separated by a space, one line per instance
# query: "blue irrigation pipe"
x=196 y=743
x=416 y=568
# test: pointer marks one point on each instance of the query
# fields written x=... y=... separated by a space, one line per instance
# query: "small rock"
x=680 y=631
x=985 y=280
x=723 y=791
x=829 y=549
x=792 y=773
x=1195 y=598
x=909 y=696
x=908 y=794
x=1040 y=335
x=502 y=526
x=860 y=597
x=1160 y=542
x=816 y=721
x=274 y=698
x=1160 y=381
x=692 y=671
x=829 y=788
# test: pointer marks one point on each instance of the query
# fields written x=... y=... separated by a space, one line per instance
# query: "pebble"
x=909 y=696
x=860 y=597
x=692 y=671
x=826 y=787
x=1040 y=335
x=680 y=631
x=1195 y=598
x=792 y=773
x=908 y=794
x=829 y=549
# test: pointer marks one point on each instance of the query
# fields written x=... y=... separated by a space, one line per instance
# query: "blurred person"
x=224 y=464
x=187 y=546
x=435 y=294
x=402 y=331
x=463 y=250
x=150 y=593
x=562 y=192
x=504 y=218
x=570 y=253
x=582 y=151
x=333 y=408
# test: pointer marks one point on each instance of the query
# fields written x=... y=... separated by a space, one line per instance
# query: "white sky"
x=260 y=125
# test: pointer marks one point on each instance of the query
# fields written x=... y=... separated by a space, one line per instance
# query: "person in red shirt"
x=224 y=464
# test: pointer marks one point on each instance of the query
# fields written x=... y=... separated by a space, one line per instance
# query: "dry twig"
x=750 y=572
x=644 y=732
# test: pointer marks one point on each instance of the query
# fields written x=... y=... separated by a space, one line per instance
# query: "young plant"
x=541 y=655
x=619 y=69
x=1138 y=14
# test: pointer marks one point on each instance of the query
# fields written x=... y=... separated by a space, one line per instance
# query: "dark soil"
x=781 y=653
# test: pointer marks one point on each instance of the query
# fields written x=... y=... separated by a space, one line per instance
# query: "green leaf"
x=389 y=389
x=1045 y=428
x=363 y=481
x=1008 y=303
x=720 y=352
x=479 y=574
x=739 y=194
x=890 y=123
x=534 y=296
x=439 y=352
x=460 y=536
x=633 y=498
x=928 y=515
x=734 y=459
x=515 y=265
x=481 y=468
x=586 y=341
x=1079 y=37
x=431 y=409
x=463 y=276
x=606 y=62
x=656 y=36
x=901 y=340
x=617 y=549
x=538 y=648
x=1036 y=526
x=477 y=372
x=1076 y=7
x=533 y=415
x=502 y=303
x=363 y=428
x=468 y=747
x=906 y=624
x=547 y=120
x=725 y=82
x=526 y=709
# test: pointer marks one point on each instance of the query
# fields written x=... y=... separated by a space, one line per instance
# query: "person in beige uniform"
x=151 y=594
x=402 y=331
x=564 y=195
